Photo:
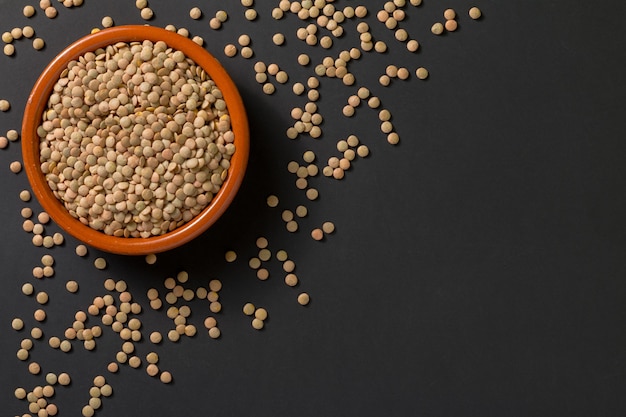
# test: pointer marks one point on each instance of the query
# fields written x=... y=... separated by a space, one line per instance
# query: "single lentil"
x=303 y=298
x=28 y=11
x=100 y=263
x=81 y=250
x=15 y=167
x=107 y=22
x=195 y=13
x=146 y=13
x=437 y=28
x=412 y=45
x=475 y=13
x=214 y=332
x=278 y=39
x=451 y=25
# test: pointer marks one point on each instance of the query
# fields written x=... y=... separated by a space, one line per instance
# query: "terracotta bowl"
x=37 y=102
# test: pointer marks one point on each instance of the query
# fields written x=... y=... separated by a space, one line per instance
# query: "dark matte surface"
x=477 y=269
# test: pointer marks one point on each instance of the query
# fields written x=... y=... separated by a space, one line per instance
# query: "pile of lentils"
x=136 y=139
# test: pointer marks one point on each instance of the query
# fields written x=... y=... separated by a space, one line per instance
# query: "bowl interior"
x=37 y=102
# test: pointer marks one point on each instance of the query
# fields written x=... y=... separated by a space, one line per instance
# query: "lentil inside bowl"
x=135 y=139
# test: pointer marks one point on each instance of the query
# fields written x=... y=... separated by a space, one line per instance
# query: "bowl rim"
x=38 y=99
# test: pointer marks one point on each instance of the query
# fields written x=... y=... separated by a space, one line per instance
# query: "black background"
x=477 y=269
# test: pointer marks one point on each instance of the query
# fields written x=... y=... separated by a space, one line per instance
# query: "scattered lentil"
x=100 y=263
x=15 y=167
x=214 y=332
x=107 y=22
x=278 y=39
x=50 y=12
x=412 y=45
x=34 y=368
x=81 y=250
x=29 y=11
x=257 y=324
x=437 y=28
x=475 y=13
x=421 y=73
x=303 y=299
x=17 y=324
x=451 y=25
x=146 y=13
x=195 y=13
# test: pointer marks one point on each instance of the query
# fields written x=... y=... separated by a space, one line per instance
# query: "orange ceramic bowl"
x=38 y=100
